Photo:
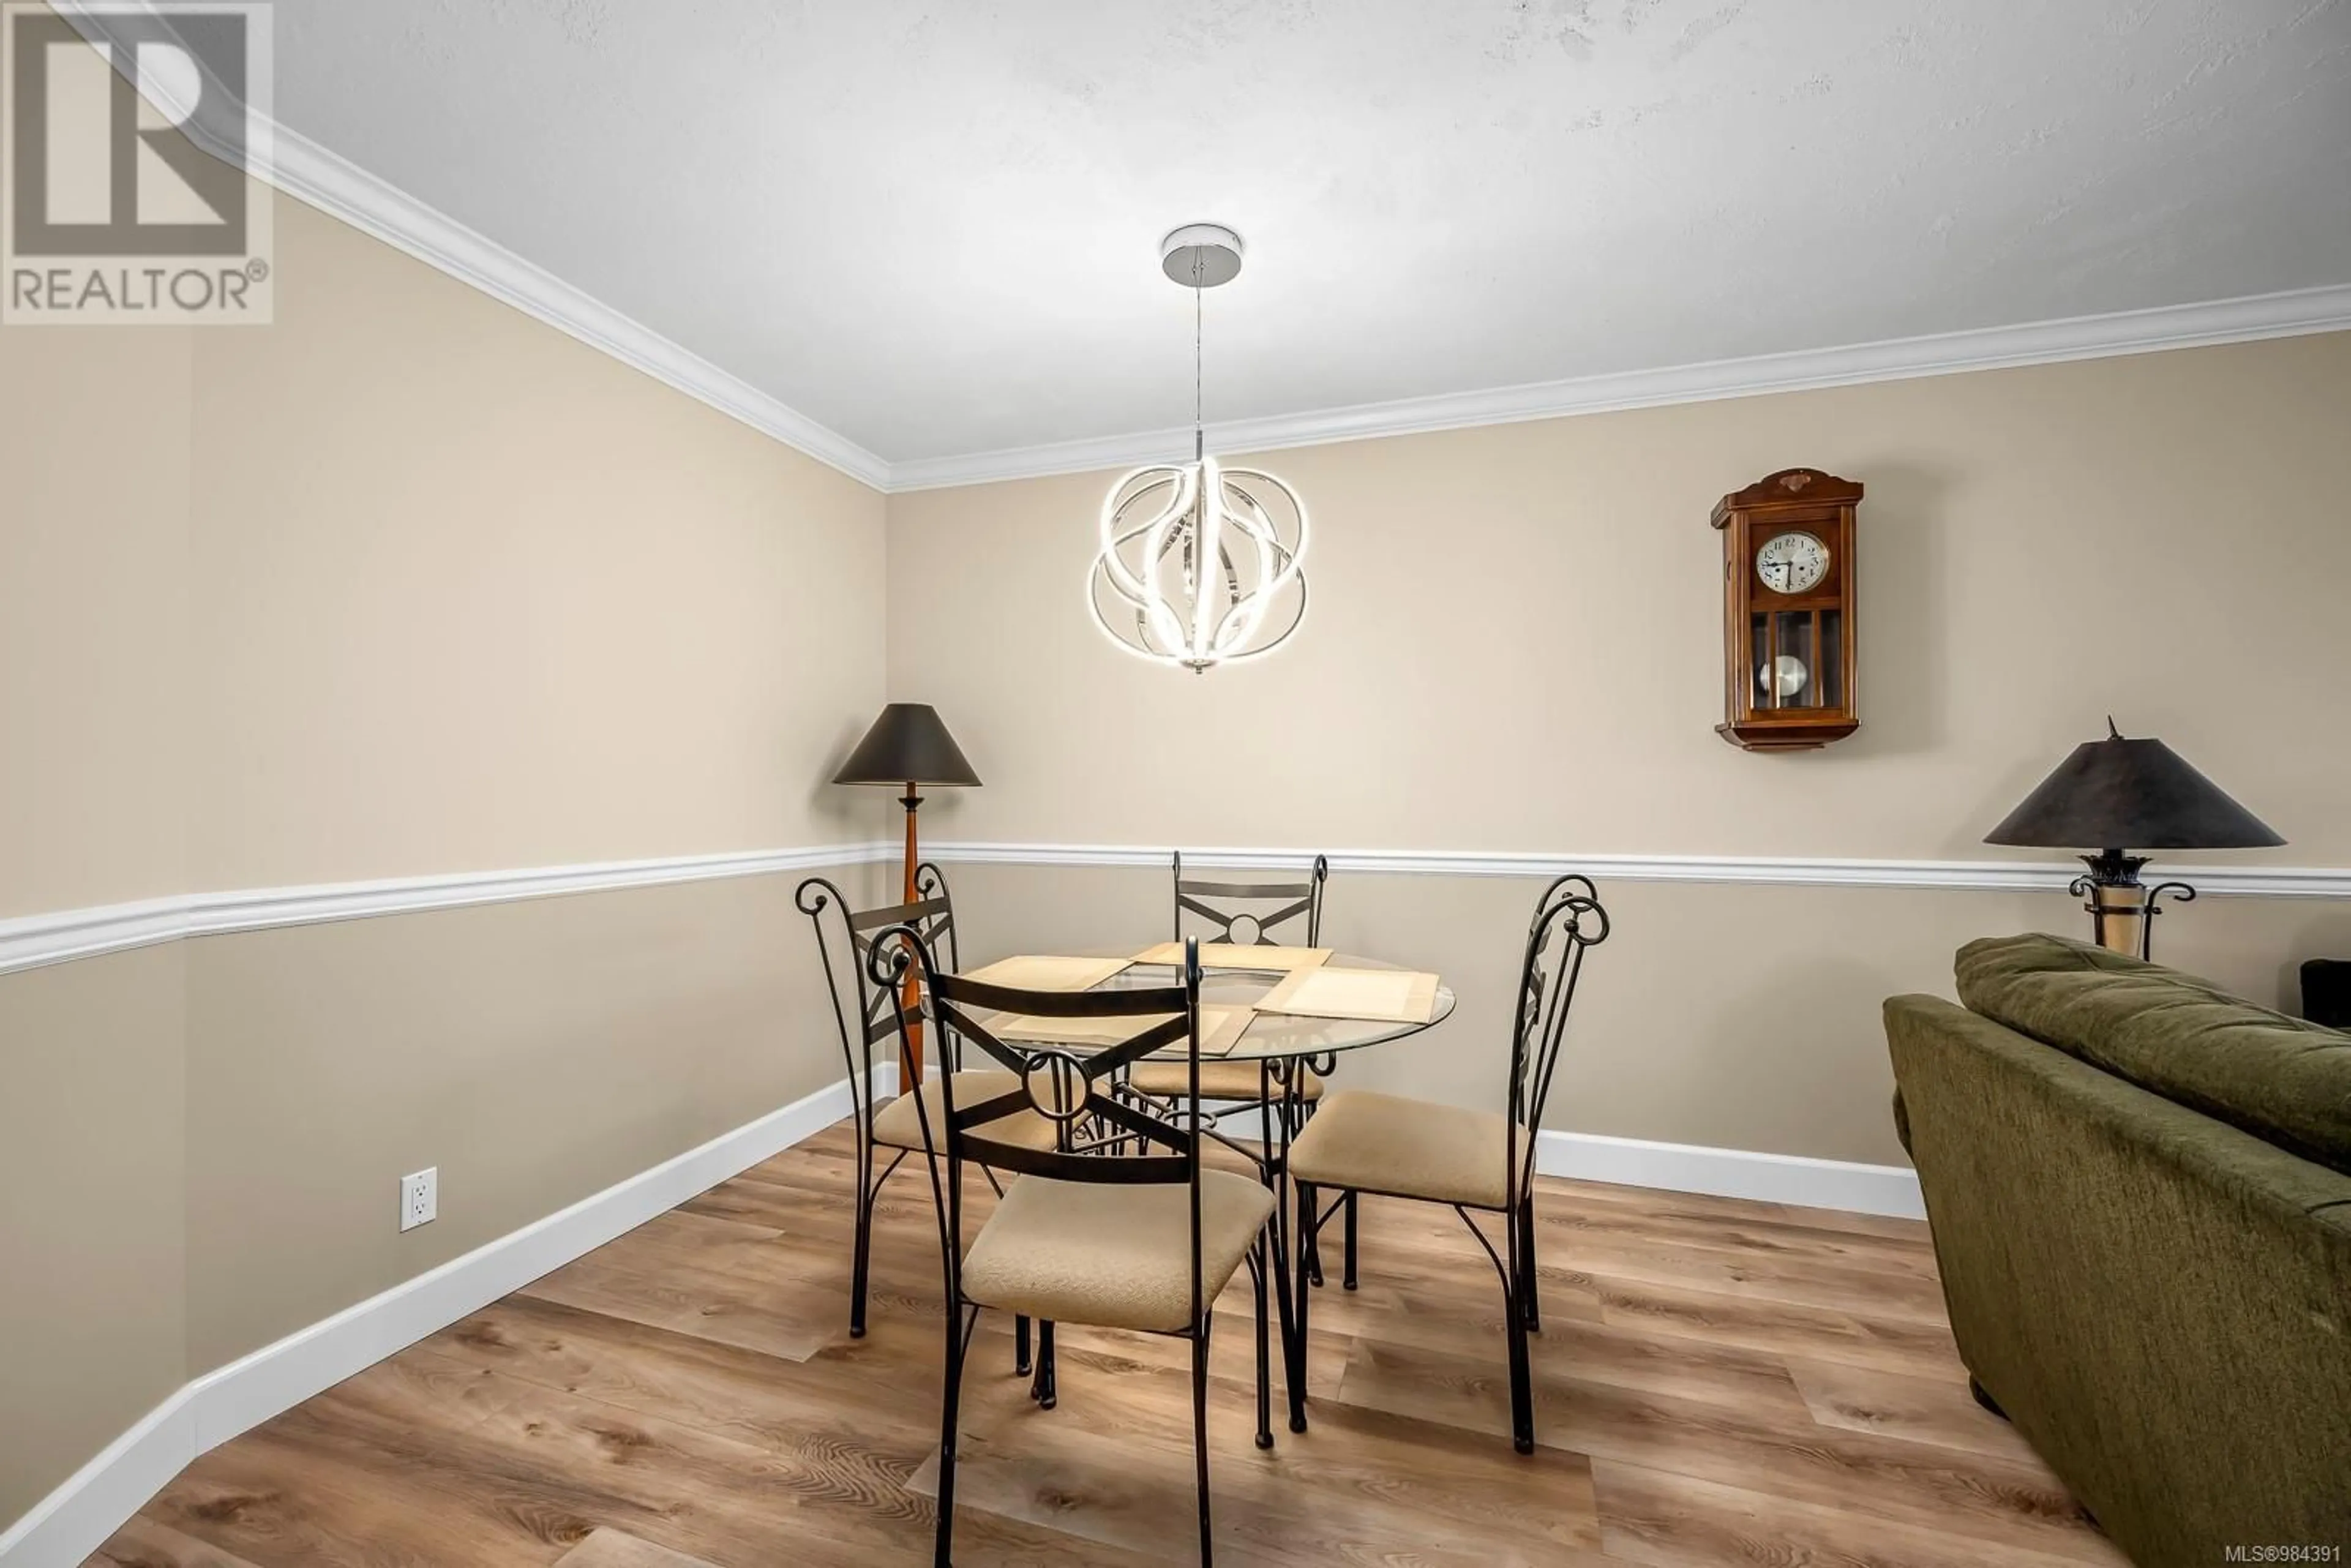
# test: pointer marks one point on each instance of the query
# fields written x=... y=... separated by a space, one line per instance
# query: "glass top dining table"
x=1278 y=1036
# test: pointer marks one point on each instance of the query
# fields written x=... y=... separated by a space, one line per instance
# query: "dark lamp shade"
x=2124 y=794
x=907 y=745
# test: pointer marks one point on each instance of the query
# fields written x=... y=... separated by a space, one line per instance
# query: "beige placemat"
x=1236 y=955
x=1381 y=996
x=1220 y=1030
x=1046 y=972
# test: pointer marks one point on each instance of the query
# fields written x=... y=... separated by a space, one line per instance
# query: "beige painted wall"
x=93 y=615
x=1515 y=646
x=535 y=1053
x=1727 y=1016
x=404 y=583
x=471 y=595
x=93 y=1157
x=1516 y=642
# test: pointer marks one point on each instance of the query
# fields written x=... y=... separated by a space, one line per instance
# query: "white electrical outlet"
x=420 y=1199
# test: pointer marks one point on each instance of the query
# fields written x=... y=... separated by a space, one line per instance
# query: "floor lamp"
x=909 y=747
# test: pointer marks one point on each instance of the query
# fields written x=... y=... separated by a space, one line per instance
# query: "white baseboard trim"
x=1731 y=1173
x=63 y=1529
x=74 y=1521
x=1891 y=1190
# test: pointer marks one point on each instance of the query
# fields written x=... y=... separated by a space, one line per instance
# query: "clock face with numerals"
x=1791 y=562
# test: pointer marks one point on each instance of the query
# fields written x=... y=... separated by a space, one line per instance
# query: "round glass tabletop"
x=1280 y=1035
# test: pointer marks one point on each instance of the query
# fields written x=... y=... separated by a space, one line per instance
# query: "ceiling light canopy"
x=1199 y=564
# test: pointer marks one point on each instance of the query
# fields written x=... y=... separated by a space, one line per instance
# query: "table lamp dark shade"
x=907 y=745
x=2117 y=795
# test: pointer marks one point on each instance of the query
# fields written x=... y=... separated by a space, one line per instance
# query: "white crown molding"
x=302 y=168
x=1973 y=875
x=343 y=189
x=29 y=940
x=64 y=1528
x=2240 y=320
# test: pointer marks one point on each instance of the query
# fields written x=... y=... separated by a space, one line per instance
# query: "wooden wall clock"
x=1790 y=671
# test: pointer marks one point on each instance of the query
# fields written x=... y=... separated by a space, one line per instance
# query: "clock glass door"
x=1795 y=659
x=1829 y=688
x=1757 y=697
x=1786 y=663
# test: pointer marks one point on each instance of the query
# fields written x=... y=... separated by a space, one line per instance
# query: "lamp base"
x=910 y=997
x=2122 y=908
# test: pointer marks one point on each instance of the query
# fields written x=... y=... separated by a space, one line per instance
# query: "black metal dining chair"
x=1118 y=1223
x=1248 y=916
x=1245 y=914
x=1240 y=919
x=1468 y=1160
x=864 y=1016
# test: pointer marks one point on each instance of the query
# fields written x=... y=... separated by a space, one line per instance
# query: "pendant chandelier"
x=1199 y=564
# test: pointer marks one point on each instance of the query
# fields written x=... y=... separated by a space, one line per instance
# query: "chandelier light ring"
x=1158 y=632
x=1163 y=537
x=1297 y=619
x=1140 y=648
x=1124 y=642
x=1196 y=562
x=1294 y=554
x=1277 y=564
x=1203 y=552
x=1132 y=487
x=1148 y=641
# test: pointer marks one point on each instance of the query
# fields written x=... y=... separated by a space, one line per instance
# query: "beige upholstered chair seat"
x=1218 y=1080
x=899 y=1126
x=1110 y=1255
x=1411 y=1148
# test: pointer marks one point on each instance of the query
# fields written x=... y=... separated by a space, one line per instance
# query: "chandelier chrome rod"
x=1199 y=354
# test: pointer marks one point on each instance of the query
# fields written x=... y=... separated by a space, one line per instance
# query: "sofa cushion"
x=2279 y=1078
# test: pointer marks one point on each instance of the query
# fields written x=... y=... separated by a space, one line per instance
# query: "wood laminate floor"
x=1717 y=1381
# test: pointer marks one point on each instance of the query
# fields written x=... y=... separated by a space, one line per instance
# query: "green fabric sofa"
x=2140 y=1192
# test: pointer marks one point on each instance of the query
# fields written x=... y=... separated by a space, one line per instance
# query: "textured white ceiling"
x=934 y=227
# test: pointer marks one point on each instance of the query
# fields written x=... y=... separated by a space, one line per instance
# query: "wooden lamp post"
x=909 y=747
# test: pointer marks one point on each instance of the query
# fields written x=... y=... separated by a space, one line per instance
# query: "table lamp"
x=909 y=747
x=2136 y=793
